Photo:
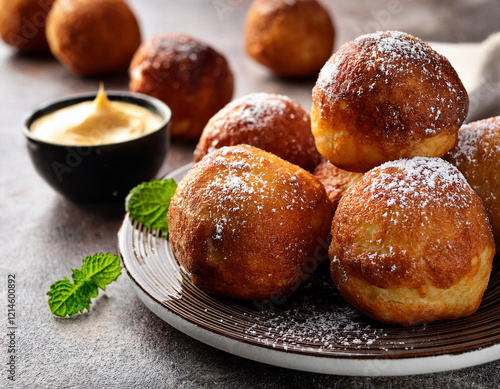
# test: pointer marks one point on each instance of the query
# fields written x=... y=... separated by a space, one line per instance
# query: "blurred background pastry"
x=92 y=37
x=292 y=38
x=22 y=24
x=411 y=243
x=477 y=156
x=245 y=223
x=192 y=78
x=385 y=96
x=271 y=122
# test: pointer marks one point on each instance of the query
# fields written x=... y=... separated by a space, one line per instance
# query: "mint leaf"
x=99 y=270
x=102 y=269
x=66 y=299
x=148 y=203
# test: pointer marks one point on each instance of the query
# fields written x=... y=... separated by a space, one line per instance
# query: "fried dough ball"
x=93 y=37
x=270 y=122
x=193 y=79
x=246 y=224
x=385 y=96
x=411 y=243
x=292 y=38
x=335 y=180
x=22 y=24
x=477 y=156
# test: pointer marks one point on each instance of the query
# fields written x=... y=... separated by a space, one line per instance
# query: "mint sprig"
x=98 y=271
x=148 y=203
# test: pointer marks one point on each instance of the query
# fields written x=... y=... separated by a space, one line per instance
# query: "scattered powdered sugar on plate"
x=318 y=318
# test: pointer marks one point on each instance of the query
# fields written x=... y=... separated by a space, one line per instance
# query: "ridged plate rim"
x=149 y=262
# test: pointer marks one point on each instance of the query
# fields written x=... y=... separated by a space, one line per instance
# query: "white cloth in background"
x=478 y=65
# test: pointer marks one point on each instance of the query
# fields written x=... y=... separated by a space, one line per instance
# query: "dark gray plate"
x=314 y=330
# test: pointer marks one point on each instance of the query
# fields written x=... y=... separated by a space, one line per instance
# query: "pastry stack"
x=411 y=239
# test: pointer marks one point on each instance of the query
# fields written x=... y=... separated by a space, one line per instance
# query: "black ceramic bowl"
x=103 y=173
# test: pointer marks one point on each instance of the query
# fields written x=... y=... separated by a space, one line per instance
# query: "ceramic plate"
x=314 y=330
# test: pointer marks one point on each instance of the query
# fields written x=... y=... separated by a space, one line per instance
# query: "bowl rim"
x=114 y=95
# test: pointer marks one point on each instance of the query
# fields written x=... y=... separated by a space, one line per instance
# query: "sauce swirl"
x=96 y=122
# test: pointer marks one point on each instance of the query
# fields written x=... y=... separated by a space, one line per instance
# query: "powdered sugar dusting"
x=257 y=108
x=258 y=112
x=328 y=73
x=475 y=136
x=394 y=52
x=391 y=61
x=429 y=170
x=271 y=122
x=389 y=53
x=419 y=182
x=243 y=191
x=395 y=45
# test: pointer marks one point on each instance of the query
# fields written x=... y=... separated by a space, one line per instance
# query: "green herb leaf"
x=98 y=271
x=148 y=203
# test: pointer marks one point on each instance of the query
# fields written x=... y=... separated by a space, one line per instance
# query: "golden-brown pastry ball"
x=193 y=79
x=93 y=37
x=247 y=224
x=270 y=122
x=290 y=37
x=411 y=243
x=477 y=156
x=385 y=96
x=22 y=24
x=335 y=180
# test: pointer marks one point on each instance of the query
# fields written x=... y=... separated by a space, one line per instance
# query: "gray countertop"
x=120 y=343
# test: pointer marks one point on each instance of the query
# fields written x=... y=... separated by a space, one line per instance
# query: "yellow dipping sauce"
x=96 y=122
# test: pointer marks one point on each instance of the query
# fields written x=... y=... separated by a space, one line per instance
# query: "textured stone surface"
x=120 y=343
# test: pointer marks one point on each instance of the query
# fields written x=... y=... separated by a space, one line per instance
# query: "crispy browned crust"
x=411 y=243
x=271 y=122
x=335 y=180
x=93 y=36
x=22 y=24
x=193 y=79
x=386 y=96
x=246 y=224
x=477 y=156
x=290 y=38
